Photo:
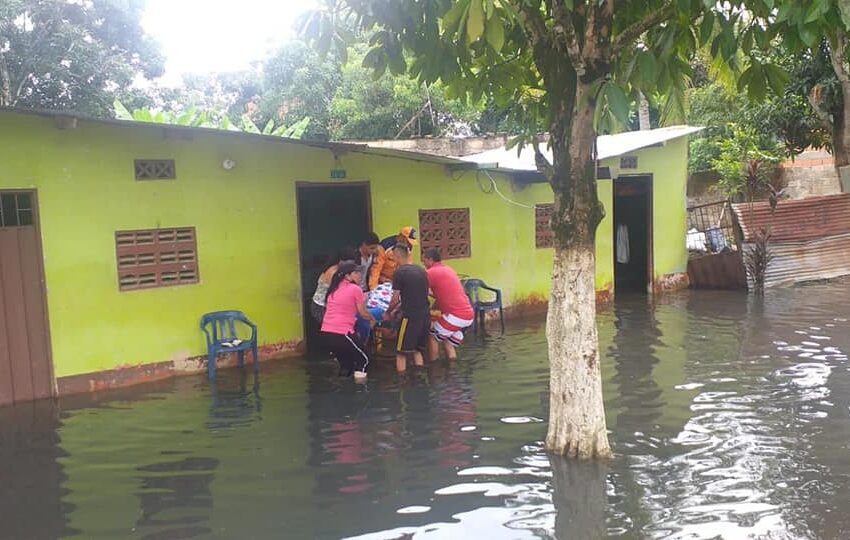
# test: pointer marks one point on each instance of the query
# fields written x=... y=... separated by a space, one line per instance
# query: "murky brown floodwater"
x=730 y=417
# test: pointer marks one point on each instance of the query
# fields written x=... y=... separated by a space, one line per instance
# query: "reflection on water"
x=729 y=415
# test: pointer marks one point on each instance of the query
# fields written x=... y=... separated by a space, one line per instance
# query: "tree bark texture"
x=643 y=113
x=577 y=425
x=841 y=122
x=5 y=83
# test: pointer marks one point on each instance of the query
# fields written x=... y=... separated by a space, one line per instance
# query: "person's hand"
x=373 y=323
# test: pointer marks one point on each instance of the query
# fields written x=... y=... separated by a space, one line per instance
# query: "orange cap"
x=409 y=234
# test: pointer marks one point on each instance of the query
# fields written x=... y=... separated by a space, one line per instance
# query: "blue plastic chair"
x=473 y=288
x=220 y=329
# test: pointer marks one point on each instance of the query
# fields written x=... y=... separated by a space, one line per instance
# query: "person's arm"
x=377 y=267
x=361 y=309
x=395 y=303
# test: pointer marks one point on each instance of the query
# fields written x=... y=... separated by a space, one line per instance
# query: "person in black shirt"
x=410 y=286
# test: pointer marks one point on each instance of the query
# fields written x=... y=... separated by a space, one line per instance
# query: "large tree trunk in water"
x=576 y=411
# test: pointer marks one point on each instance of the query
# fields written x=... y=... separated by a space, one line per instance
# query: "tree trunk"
x=576 y=410
x=841 y=121
x=643 y=113
x=5 y=83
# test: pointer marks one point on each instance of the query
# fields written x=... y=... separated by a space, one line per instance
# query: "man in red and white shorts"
x=455 y=310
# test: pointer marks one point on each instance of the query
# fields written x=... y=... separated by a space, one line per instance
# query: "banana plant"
x=194 y=117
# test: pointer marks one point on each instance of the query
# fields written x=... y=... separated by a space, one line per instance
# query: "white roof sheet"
x=606 y=145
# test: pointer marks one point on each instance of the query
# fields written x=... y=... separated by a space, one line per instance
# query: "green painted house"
x=116 y=237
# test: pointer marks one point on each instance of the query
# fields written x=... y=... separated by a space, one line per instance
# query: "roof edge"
x=340 y=147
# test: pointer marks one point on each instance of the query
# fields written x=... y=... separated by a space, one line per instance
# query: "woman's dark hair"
x=343 y=270
x=345 y=254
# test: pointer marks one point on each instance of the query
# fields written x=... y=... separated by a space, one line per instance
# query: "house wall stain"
x=246 y=224
x=128 y=375
x=671 y=282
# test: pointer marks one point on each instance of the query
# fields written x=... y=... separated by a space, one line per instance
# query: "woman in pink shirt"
x=344 y=301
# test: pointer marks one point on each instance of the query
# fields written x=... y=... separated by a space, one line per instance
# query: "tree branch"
x=838 y=47
x=540 y=161
x=534 y=24
x=816 y=101
x=628 y=36
x=566 y=31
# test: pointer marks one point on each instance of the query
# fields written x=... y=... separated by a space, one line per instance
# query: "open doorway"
x=330 y=217
x=633 y=234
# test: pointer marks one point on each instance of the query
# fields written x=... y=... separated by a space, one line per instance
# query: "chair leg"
x=256 y=359
x=211 y=364
x=502 y=318
x=241 y=359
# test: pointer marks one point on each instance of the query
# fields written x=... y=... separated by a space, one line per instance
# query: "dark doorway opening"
x=330 y=217
x=633 y=234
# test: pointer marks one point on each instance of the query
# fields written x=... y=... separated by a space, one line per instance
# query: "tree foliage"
x=57 y=54
x=817 y=31
x=391 y=106
x=297 y=83
x=215 y=119
x=744 y=165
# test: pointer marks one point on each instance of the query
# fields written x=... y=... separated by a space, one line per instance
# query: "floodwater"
x=729 y=416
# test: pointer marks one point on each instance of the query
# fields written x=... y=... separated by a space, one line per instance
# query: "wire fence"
x=710 y=228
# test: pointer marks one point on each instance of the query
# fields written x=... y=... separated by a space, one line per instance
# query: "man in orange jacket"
x=384 y=266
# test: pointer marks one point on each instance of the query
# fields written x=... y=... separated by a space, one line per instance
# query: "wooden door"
x=25 y=366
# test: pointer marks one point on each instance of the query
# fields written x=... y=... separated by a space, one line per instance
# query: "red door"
x=25 y=367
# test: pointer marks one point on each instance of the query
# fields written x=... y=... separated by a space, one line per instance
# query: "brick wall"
x=811 y=174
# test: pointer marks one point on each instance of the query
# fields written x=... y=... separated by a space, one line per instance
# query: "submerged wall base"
x=132 y=375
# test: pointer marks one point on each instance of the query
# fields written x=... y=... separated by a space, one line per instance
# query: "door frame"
x=317 y=184
x=648 y=180
x=36 y=223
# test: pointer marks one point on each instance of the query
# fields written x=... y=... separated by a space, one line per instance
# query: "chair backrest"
x=473 y=289
x=223 y=323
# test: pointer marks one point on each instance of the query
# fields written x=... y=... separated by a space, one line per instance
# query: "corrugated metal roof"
x=810 y=237
x=797 y=220
x=606 y=146
x=797 y=262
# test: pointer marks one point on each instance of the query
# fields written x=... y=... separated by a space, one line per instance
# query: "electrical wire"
x=495 y=188
x=488 y=190
x=482 y=188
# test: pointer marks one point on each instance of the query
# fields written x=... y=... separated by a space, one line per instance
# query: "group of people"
x=379 y=282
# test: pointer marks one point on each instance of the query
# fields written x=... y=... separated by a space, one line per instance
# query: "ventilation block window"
x=16 y=209
x=628 y=162
x=543 y=234
x=447 y=230
x=156 y=258
x=155 y=169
